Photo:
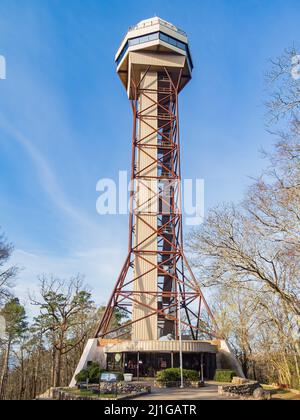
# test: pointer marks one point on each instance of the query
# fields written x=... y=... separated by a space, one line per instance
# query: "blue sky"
x=65 y=120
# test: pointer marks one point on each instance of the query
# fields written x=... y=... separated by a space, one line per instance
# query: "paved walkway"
x=210 y=392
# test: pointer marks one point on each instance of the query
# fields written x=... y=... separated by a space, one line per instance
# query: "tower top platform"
x=157 y=43
x=148 y=23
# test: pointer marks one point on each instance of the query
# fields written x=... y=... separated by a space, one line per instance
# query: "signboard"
x=108 y=377
x=118 y=357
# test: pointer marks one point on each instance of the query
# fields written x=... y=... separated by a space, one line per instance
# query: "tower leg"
x=156 y=274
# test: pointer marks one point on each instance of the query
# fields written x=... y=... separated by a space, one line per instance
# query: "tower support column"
x=145 y=212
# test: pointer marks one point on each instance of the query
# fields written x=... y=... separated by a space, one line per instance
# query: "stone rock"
x=261 y=394
x=239 y=381
x=244 y=390
x=124 y=389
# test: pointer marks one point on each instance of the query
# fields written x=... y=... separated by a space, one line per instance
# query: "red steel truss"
x=176 y=284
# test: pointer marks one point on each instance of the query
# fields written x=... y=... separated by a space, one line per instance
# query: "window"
x=164 y=37
x=134 y=41
x=152 y=37
x=123 y=52
x=181 y=45
x=172 y=41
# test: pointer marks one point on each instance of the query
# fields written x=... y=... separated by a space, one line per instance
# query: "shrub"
x=224 y=375
x=93 y=373
x=191 y=375
x=82 y=376
x=174 y=375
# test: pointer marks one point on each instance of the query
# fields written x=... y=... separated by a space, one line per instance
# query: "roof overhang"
x=151 y=26
x=157 y=43
x=157 y=54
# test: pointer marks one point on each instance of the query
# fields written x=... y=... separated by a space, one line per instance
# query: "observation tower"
x=165 y=310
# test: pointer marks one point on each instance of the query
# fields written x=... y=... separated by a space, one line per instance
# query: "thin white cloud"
x=95 y=264
x=33 y=106
x=46 y=175
x=95 y=256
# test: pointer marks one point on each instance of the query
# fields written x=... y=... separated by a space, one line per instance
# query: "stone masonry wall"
x=124 y=389
x=246 y=390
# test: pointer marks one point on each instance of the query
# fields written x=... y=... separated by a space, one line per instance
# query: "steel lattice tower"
x=169 y=321
x=154 y=64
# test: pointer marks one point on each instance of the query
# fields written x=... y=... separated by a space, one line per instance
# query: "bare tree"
x=284 y=88
x=65 y=307
x=7 y=274
x=250 y=252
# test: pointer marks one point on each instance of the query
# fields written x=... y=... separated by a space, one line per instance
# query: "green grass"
x=224 y=375
x=86 y=393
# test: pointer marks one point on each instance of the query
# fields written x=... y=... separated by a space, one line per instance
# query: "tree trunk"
x=53 y=366
x=4 y=370
x=36 y=374
x=23 y=378
x=57 y=381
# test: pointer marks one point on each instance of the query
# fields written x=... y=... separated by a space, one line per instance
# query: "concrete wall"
x=147 y=220
x=161 y=346
x=92 y=353
x=227 y=360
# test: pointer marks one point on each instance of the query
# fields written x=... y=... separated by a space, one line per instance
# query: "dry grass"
x=282 y=394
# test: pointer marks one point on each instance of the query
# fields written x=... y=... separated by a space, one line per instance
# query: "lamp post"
x=138 y=366
x=202 y=368
x=180 y=340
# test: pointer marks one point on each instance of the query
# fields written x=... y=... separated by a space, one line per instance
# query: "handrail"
x=155 y=22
